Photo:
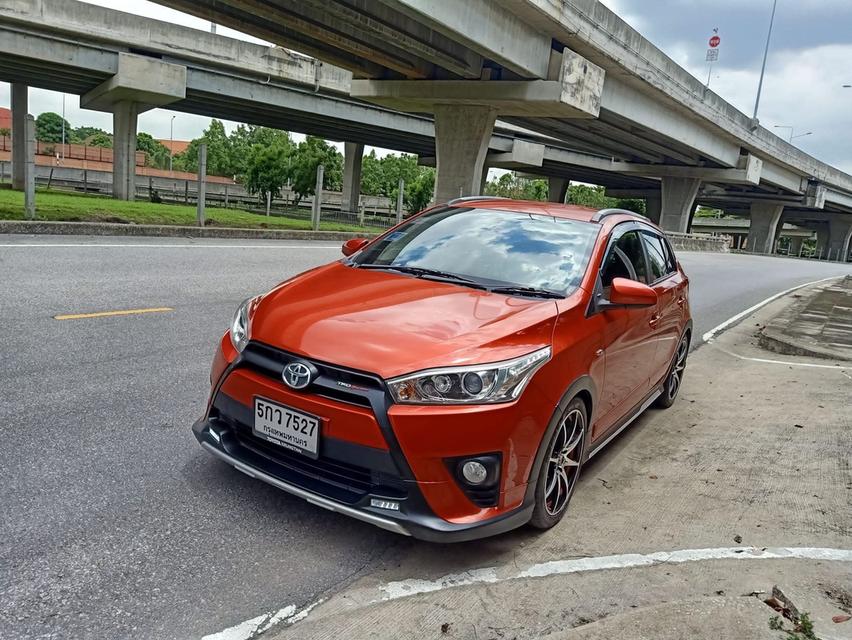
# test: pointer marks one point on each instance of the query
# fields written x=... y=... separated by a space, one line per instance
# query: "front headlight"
x=241 y=322
x=477 y=384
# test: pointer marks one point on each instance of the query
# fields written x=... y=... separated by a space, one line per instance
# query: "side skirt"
x=627 y=422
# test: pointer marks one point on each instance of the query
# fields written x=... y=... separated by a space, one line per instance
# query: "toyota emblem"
x=298 y=375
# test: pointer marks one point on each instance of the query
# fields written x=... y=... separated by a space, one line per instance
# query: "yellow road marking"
x=106 y=314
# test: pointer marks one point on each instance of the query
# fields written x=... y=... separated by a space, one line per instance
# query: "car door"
x=666 y=280
x=628 y=341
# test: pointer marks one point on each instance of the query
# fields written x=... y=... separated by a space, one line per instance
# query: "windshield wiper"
x=420 y=271
x=526 y=291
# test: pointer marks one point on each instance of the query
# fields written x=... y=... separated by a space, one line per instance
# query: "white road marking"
x=406 y=588
x=492 y=575
x=171 y=246
x=836 y=367
x=251 y=628
x=708 y=337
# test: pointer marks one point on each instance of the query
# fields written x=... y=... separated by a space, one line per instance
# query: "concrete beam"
x=488 y=29
x=353 y=154
x=748 y=171
x=523 y=154
x=545 y=98
x=462 y=133
x=678 y=203
x=764 y=227
x=146 y=81
x=815 y=195
x=840 y=198
x=20 y=110
x=117 y=27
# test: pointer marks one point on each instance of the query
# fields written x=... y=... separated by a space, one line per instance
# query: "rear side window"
x=657 y=255
x=625 y=259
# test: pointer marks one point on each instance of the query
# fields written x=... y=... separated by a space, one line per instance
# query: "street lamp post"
x=171 y=142
x=792 y=137
x=765 y=56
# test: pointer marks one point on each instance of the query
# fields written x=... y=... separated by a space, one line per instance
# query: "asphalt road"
x=114 y=523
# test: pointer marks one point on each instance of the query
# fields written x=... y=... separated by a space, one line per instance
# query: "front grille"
x=336 y=383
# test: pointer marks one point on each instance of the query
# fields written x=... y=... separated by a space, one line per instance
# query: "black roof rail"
x=603 y=213
x=469 y=198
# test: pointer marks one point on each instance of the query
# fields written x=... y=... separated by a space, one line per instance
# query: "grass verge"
x=78 y=207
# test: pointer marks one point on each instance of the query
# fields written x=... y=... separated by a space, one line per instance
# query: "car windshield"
x=494 y=248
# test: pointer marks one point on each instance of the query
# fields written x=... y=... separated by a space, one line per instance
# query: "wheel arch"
x=583 y=387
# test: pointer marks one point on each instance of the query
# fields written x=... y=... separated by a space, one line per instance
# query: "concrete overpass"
x=570 y=69
x=124 y=64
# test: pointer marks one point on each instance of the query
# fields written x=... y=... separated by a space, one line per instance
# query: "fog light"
x=384 y=504
x=474 y=472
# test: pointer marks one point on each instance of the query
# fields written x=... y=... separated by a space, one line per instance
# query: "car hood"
x=390 y=324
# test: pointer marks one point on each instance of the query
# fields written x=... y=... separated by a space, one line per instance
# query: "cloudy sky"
x=810 y=61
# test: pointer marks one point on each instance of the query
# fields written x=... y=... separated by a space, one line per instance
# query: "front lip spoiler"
x=313 y=498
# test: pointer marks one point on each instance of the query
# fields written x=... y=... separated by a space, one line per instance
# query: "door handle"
x=680 y=301
x=655 y=319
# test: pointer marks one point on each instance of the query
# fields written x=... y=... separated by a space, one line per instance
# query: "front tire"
x=674 y=380
x=560 y=468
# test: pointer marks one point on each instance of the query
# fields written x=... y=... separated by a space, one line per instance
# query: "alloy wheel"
x=676 y=376
x=563 y=465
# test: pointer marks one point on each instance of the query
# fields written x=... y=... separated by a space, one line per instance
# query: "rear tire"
x=560 y=467
x=674 y=380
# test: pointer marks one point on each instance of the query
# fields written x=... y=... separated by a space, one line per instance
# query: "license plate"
x=286 y=427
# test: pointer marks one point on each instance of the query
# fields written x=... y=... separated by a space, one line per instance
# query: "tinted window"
x=625 y=259
x=492 y=247
x=658 y=255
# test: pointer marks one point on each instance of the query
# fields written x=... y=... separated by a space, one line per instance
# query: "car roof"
x=569 y=211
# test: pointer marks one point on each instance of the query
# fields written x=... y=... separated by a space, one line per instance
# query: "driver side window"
x=625 y=259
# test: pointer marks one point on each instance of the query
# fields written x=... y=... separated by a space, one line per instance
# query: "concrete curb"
x=172 y=231
x=778 y=342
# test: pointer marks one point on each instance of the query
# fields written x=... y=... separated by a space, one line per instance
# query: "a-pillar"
x=765 y=218
x=557 y=189
x=124 y=119
x=839 y=237
x=678 y=203
x=654 y=207
x=462 y=134
x=20 y=107
x=353 y=154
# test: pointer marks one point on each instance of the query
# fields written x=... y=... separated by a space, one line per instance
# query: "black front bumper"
x=339 y=488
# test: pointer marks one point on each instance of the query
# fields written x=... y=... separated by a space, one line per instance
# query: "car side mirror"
x=630 y=293
x=352 y=245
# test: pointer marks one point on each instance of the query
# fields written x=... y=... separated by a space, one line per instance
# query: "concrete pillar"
x=678 y=203
x=796 y=245
x=462 y=134
x=353 y=154
x=484 y=181
x=765 y=218
x=400 y=197
x=839 y=237
x=124 y=118
x=557 y=189
x=654 y=207
x=316 y=213
x=822 y=241
x=29 y=169
x=202 y=183
x=20 y=109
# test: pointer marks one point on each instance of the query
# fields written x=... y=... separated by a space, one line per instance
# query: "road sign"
x=712 y=55
x=715 y=41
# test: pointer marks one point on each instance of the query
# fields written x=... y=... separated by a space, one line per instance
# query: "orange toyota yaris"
x=448 y=379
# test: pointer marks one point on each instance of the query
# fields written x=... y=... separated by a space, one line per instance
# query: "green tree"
x=303 y=171
x=48 y=127
x=418 y=192
x=218 y=152
x=511 y=185
x=268 y=167
x=244 y=137
x=596 y=198
x=100 y=139
x=5 y=132
x=706 y=212
x=156 y=151
x=81 y=135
